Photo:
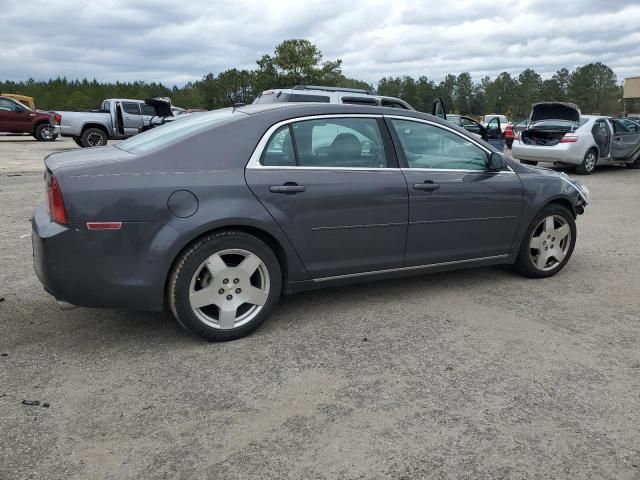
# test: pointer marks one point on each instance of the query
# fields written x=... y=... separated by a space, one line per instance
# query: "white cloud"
x=174 y=42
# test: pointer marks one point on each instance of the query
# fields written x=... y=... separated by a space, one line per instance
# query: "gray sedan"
x=216 y=215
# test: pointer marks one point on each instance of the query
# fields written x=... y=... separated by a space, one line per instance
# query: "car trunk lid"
x=85 y=156
x=554 y=111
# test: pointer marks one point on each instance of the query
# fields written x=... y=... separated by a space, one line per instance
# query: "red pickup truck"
x=18 y=118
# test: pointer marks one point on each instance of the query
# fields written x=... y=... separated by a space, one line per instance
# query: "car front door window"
x=428 y=146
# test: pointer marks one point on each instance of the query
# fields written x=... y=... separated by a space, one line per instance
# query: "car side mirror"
x=496 y=162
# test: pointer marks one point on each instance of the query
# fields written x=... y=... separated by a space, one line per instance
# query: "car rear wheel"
x=548 y=244
x=44 y=133
x=224 y=285
x=93 y=137
x=529 y=162
x=588 y=164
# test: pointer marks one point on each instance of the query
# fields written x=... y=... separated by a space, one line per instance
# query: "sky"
x=178 y=41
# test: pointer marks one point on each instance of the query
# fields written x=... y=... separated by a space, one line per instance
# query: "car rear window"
x=178 y=130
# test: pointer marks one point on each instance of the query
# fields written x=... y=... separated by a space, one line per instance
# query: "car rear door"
x=458 y=210
x=333 y=186
x=494 y=134
x=625 y=144
x=131 y=118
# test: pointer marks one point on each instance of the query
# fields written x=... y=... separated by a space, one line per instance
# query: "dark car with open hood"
x=216 y=215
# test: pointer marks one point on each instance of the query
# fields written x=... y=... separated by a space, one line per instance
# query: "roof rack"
x=332 y=89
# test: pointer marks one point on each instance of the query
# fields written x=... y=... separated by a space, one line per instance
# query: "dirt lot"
x=476 y=374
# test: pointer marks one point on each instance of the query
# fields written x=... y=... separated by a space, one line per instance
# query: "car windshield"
x=178 y=130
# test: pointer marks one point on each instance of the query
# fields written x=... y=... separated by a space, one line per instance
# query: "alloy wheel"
x=550 y=242
x=47 y=133
x=229 y=289
x=95 y=139
x=590 y=161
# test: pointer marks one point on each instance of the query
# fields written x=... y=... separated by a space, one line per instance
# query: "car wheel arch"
x=272 y=242
x=563 y=201
x=86 y=126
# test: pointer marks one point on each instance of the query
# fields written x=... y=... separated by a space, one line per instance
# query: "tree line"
x=593 y=87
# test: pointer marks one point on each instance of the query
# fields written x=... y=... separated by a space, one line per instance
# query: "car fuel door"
x=493 y=134
x=625 y=144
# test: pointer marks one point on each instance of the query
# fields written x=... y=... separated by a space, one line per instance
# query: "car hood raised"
x=85 y=156
x=555 y=111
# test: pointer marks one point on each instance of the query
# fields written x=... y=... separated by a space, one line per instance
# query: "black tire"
x=189 y=264
x=509 y=143
x=78 y=142
x=529 y=162
x=524 y=263
x=589 y=163
x=44 y=133
x=94 y=137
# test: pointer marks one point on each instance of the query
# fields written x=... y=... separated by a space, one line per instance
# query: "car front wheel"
x=548 y=244
x=224 y=285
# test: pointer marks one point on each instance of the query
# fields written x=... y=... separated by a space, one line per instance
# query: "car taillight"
x=55 y=119
x=56 y=205
x=569 y=139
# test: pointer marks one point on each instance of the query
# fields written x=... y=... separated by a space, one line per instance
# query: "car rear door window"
x=429 y=146
x=360 y=101
x=331 y=142
x=131 y=108
x=148 y=110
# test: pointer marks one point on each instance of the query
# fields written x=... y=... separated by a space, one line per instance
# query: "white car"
x=502 y=118
x=558 y=133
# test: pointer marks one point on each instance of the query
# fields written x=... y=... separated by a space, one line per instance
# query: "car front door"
x=14 y=118
x=494 y=135
x=625 y=144
x=131 y=118
x=333 y=185
x=458 y=209
x=439 y=109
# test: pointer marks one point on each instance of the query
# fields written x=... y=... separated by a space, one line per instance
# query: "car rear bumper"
x=71 y=267
x=561 y=153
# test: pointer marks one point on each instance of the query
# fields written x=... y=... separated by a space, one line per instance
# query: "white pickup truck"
x=117 y=118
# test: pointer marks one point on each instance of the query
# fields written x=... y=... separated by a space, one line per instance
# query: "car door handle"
x=288 y=188
x=617 y=140
x=427 y=186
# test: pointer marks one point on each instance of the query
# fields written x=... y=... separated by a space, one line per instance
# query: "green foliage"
x=593 y=87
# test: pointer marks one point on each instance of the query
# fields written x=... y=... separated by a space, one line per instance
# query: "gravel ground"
x=475 y=374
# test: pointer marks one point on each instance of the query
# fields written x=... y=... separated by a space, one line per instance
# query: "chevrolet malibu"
x=216 y=215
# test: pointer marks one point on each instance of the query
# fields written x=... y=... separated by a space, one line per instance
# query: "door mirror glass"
x=496 y=162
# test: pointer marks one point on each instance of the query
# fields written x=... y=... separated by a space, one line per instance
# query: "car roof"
x=289 y=110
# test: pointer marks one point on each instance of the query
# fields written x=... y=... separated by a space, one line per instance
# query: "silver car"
x=558 y=133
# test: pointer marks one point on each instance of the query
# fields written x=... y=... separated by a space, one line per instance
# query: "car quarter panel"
x=541 y=187
x=115 y=186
